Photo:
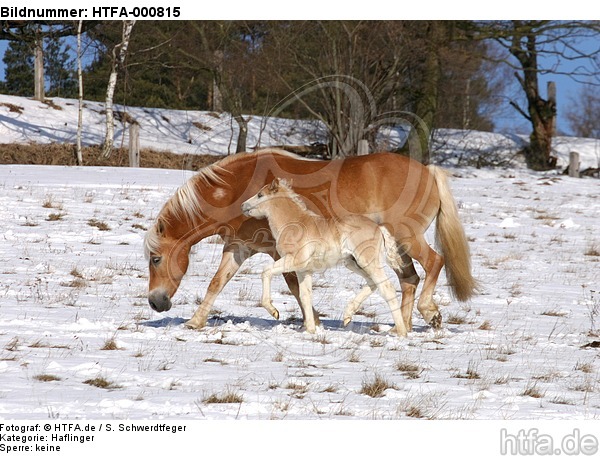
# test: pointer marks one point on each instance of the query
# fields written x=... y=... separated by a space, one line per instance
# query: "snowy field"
x=78 y=339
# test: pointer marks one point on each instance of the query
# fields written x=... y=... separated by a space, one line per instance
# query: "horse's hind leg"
x=409 y=280
x=379 y=278
x=355 y=304
x=363 y=294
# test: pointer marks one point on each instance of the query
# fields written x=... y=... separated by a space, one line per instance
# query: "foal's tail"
x=450 y=237
x=391 y=249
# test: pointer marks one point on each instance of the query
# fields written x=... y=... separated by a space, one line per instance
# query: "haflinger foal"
x=307 y=242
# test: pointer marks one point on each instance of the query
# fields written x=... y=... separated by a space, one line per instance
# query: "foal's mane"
x=291 y=194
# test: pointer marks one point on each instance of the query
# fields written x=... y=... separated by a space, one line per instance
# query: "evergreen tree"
x=59 y=69
x=18 y=72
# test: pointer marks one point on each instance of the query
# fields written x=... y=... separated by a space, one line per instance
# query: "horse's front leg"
x=267 y=275
x=287 y=265
x=232 y=259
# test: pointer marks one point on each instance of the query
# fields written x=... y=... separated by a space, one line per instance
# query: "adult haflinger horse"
x=390 y=189
x=307 y=243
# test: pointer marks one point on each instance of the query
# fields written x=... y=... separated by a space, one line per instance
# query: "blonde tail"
x=450 y=237
x=391 y=249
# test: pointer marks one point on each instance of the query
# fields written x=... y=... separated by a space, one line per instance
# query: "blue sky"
x=509 y=120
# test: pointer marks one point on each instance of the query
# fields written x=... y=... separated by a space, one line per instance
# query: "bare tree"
x=119 y=53
x=583 y=113
x=525 y=42
x=225 y=50
x=341 y=72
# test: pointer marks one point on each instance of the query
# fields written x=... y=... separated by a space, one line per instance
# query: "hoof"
x=191 y=324
x=347 y=321
x=400 y=333
x=436 y=321
x=275 y=314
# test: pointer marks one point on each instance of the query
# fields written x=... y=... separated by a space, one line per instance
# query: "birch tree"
x=119 y=53
x=79 y=153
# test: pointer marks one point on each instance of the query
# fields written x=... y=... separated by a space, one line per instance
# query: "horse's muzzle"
x=246 y=209
x=159 y=301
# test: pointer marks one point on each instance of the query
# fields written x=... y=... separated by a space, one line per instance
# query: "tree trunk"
x=216 y=95
x=417 y=145
x=242 y=134
x=39 y=66
x=79 y=154
x=541 y=113
x=117 y=63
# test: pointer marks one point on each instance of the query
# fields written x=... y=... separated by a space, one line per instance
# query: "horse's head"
x=256 y=206
x=168 y=256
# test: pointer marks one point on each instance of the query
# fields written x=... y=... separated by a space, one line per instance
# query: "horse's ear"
x=160 y=227
x=275 y=184
x=285 y=183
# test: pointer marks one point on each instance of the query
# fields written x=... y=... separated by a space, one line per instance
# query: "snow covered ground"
x=23 y=120
x=78 y=339
x=73 y=313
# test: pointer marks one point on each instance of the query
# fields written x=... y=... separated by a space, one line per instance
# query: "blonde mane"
x=292 y=195
x=185 y=204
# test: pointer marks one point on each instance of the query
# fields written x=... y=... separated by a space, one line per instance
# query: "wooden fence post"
x=134 y=145
x=574 y=164
x=363 y=147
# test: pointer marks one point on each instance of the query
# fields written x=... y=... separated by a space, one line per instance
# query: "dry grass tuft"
x=471 y=373
x=593 y=250
x=455 y=319
x=532 y=390
x=228 y=397
x=375 y=387
x=55 y=217
x=485 y=326
x=47 y=378
x=101 y=382
x=110 y=344
x=102 y=226
x=13 y=107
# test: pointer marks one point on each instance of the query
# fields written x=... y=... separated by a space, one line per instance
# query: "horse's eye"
x=156 y=260
x=260 y=194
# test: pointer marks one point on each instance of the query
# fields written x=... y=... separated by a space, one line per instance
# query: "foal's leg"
x=232 y=259
x=286 y=265
x=305 y=282
x=374 y=269
x=388 y=292
x=268 y=272
x=292 y=282
x=363 y=294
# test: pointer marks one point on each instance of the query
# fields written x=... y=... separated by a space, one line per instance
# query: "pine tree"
x=18 y=61
x=60 y=74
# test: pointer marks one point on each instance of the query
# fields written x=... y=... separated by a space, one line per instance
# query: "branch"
x=520 y=110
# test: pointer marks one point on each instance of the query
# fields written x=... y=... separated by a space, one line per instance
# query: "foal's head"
x=259 y=205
